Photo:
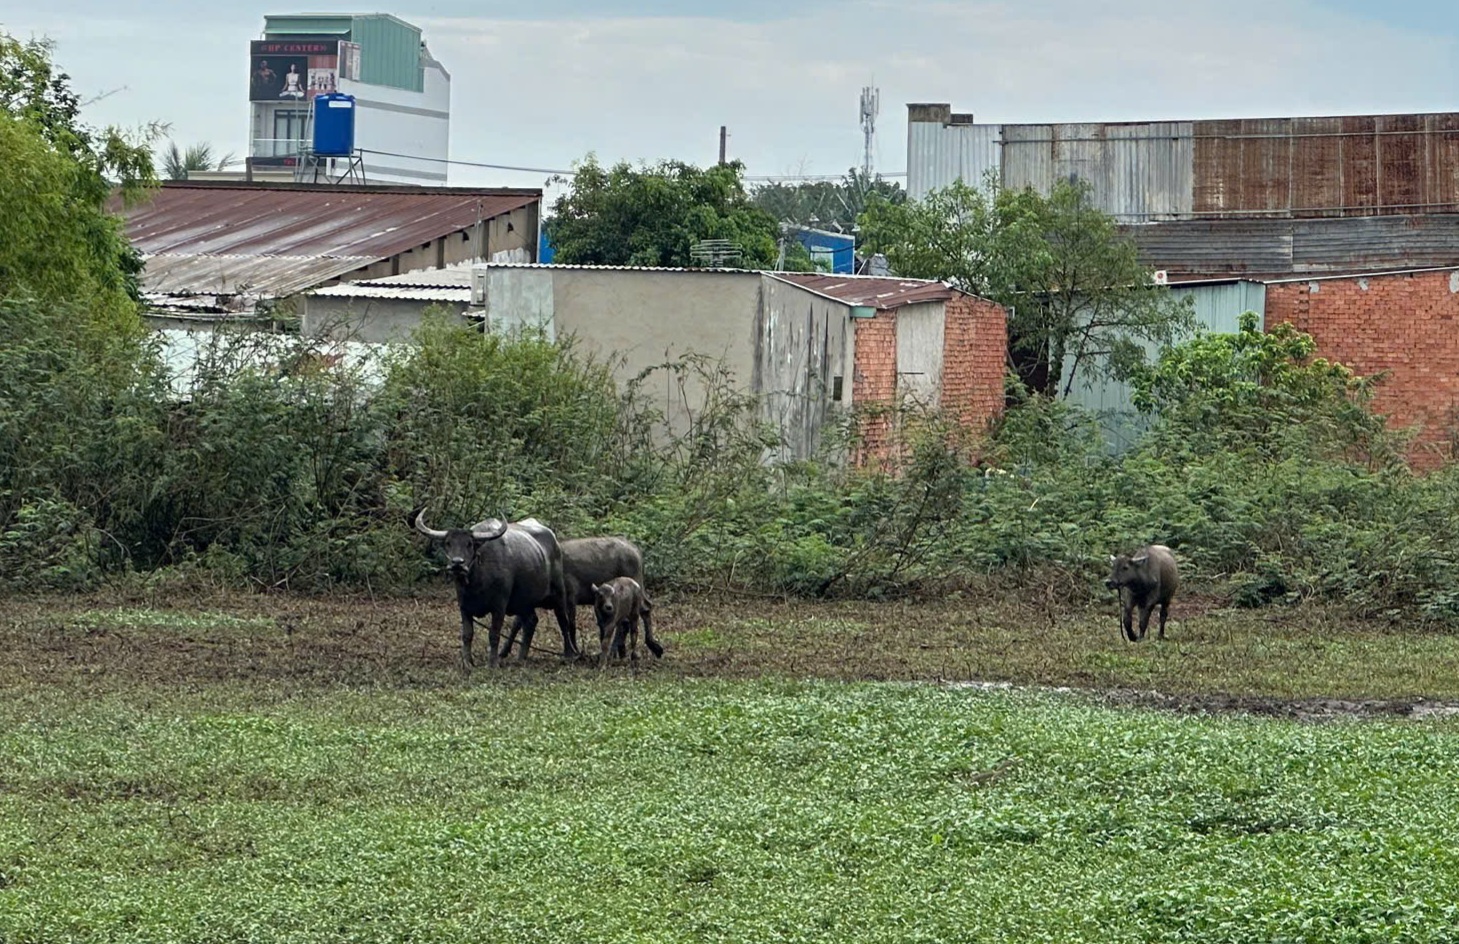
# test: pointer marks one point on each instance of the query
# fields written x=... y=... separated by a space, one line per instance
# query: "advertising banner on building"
x=292 y=70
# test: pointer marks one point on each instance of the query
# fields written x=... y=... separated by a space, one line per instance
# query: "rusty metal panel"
x=1317 y=165
x=1400 y=163
x=1325 y=167
x=1442 y=163
x=883 y=294
x=1359 y=165
x=1243 y=166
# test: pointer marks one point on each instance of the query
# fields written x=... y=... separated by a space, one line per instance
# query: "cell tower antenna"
x=870 y=105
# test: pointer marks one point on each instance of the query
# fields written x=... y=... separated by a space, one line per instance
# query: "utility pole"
x=723 y=138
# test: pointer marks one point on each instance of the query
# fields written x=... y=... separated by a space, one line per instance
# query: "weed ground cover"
x=260 y=770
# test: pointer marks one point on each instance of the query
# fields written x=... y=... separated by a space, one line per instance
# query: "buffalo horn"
x=489 y=530
x=420 y=525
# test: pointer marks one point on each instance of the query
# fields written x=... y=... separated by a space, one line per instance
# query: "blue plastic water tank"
x=334 y=125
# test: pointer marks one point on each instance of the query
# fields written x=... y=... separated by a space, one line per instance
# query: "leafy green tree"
x=652 y=215
x=57 y=240
x=826 y=204
x=1264 y=391
x=1079 y=299
x=178 y=163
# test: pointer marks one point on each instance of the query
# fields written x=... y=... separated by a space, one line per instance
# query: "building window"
x=291 y=125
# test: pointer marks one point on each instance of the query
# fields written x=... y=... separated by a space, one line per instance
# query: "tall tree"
x=1080 y=300
x=826 y=204
x=178 y=163
x=56 y=239
x=653 y=215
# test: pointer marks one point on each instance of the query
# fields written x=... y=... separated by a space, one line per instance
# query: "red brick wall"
x=974 y=350
x=1405 y=324
x=874 y=380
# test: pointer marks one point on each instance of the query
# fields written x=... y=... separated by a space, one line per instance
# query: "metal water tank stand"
x=314 y=168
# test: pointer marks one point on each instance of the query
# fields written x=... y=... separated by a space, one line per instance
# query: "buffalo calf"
x=619 y=605
x=1144 y=579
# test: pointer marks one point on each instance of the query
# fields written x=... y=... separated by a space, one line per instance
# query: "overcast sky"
x=540 y=83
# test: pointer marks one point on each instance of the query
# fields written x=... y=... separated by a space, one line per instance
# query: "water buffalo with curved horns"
x=595 y=560
x=504 y=569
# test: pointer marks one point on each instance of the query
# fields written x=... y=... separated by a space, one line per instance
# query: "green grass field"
x=254 y=769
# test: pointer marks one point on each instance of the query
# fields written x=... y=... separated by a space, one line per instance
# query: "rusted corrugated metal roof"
x=278 y=239
x=1285 y=247
x=873 y=291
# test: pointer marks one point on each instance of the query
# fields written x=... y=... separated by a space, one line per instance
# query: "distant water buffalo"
x=1144 y=579
x=504 y=569
x=619 y=605
x=589 y=561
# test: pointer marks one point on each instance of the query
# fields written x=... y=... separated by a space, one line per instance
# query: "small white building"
x=402 y=95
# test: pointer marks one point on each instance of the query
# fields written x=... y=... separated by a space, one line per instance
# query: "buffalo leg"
x=566 y=621
x=529 y=632
x=494 y=636
x=1127 y=625
x=616 y=645
x=468 y=632
x=648 y=630
x=511 y=637
x=633 y=639
x=529 y=629
x=1145 y=620
x=1164 y=612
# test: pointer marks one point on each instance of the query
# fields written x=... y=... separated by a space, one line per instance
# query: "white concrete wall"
x=920 y=330
x=417 y=124
x=805 y=346
x=520 y=298
x=369 y=320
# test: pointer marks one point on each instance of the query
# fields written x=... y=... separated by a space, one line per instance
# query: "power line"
x=758 y=178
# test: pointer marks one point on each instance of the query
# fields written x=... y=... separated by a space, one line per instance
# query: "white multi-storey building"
x=402 y=94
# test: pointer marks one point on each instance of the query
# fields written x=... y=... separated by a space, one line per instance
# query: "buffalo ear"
x=1140 y=560
x=1111 y=558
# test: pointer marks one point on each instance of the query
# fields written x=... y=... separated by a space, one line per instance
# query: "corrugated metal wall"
x=940 y=154
x=1350 y=166
x=1218 y=308
x=1138 y=171
x=1284 y=247
x=389 y=52
x=1252 y=167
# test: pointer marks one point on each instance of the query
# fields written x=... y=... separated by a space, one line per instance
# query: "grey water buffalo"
x=597 y=560
x=619 y=605
x=504 y=569
x=1144 y=579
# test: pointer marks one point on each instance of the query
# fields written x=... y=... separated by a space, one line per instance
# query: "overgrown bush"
x=279 y=464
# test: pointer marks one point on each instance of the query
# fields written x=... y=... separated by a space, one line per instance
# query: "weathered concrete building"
x=806 y=345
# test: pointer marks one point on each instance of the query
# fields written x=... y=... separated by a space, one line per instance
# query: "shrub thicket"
x=1264 y=468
